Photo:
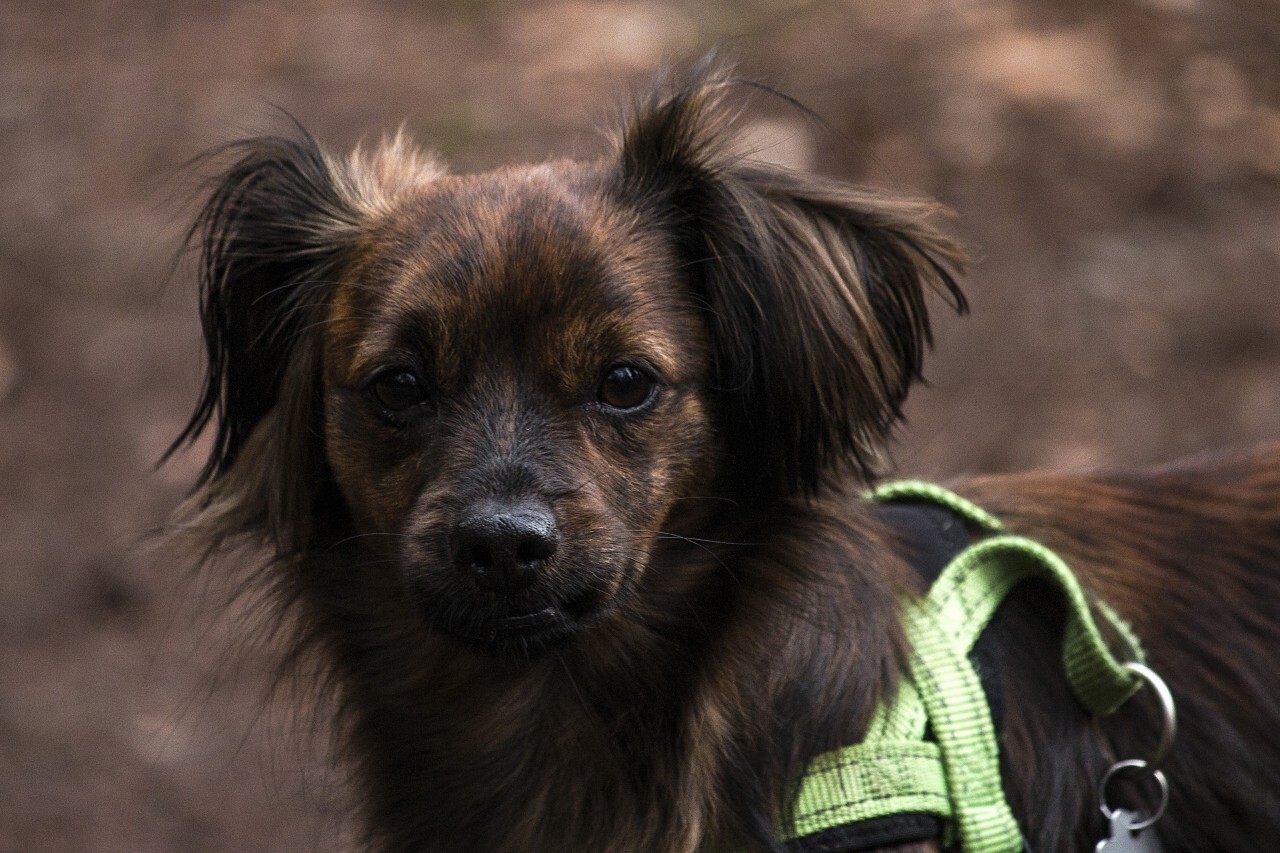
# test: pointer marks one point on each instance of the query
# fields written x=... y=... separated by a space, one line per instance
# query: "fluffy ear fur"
x=814 y=290
x=274 y=236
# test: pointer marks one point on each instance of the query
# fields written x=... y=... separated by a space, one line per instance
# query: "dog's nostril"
x=534 y=549
x=502 y=544
x=473 y=553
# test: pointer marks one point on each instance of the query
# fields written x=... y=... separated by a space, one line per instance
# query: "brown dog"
x=562 y=466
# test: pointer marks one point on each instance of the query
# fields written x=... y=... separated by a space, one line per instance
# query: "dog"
x=562 y=470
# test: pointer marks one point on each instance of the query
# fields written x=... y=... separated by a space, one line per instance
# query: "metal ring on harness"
x=1136 y=764
x=1167 y=709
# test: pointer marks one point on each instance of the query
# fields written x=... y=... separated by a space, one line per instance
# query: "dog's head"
x=506 y=388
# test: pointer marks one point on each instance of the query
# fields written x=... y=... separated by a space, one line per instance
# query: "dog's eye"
x=626 y=387
x=397 y=390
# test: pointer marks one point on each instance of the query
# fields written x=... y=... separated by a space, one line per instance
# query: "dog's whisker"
x=329 y=322
x=666 y=534
x=721 y=498
x=375 y=534
x=701 y=544
x=572 y=490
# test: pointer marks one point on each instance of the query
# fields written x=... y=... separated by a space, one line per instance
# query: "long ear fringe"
x=815 y=290
x=269 y=238
x=272 y=237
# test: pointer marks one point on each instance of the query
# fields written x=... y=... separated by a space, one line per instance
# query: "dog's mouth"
x=510 y=629
x=527 y=632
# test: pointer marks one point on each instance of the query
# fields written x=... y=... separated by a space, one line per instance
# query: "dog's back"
x=1189 y=555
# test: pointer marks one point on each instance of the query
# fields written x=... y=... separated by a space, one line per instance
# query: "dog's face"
x=515 y=398
x=510 y=388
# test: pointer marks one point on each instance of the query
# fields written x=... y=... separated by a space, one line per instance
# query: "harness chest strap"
x=895 y=770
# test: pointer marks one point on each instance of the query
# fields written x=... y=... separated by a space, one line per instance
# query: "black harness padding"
x=931 y=536
x=888 y=831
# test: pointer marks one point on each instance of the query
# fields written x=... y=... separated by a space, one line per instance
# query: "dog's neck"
x=667 y=728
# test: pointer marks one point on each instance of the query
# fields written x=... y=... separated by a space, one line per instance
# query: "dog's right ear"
x=278 y=230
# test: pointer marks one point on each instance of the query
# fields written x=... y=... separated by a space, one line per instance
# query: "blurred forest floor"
x=1115 y=165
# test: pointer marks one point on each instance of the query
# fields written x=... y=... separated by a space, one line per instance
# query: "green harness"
x=956 y=776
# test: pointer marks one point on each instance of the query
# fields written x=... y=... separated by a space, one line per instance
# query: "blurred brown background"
x=1115 y=163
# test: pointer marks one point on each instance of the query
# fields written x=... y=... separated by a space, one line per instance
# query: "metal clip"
x=1137 y=765
x=1126 y=826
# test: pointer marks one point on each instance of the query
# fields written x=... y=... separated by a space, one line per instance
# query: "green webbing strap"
x=894 y=770
x=871 y=780
x=919 y=490
x=972 y=587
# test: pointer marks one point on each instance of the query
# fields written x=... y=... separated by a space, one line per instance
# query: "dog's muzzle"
x=501 y=598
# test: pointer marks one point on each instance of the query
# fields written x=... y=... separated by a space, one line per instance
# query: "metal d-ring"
x=1136 y=764
x=1169 y=711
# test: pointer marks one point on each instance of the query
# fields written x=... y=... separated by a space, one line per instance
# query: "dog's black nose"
x=503 y=543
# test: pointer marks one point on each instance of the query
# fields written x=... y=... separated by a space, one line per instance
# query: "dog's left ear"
x=814 y=291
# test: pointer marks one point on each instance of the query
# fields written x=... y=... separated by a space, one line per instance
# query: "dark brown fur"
x=722 y=607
